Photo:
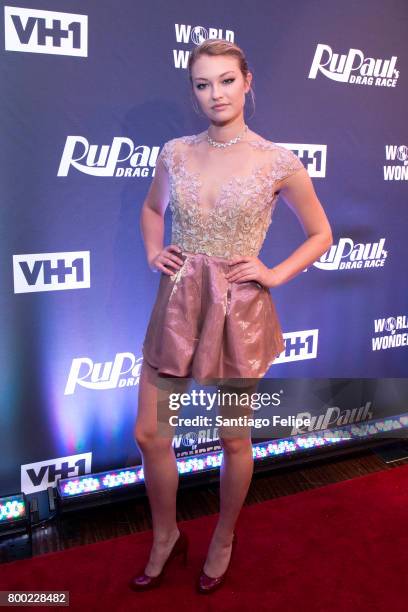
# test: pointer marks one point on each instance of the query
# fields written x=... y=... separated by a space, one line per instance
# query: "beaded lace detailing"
x=237 y=222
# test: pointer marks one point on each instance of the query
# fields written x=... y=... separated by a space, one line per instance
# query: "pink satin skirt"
x=208 y=328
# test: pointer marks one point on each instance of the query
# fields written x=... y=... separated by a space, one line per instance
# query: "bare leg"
x=235 y=478
x=159 y=462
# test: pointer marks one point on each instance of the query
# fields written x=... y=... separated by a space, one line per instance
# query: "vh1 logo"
x=43 y=474
x=51 y=271
x=38 y=31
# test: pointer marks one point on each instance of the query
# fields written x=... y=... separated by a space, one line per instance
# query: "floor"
x=121 y=518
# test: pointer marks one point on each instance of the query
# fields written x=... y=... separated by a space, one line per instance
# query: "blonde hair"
x=219 y=46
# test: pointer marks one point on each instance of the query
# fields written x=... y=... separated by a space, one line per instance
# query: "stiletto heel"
x=205 y=584
x=143 y=582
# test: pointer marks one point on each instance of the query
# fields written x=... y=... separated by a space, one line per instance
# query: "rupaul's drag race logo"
x=332 y=417
x=120 y=158
x=123 y=371
x=353 y=67
x=350 y=255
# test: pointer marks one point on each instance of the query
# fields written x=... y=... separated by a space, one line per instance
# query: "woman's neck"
x=224 y=133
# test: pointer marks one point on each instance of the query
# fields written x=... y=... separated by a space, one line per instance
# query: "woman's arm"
x=299 y=194
x=160 y=258
x=153 y=209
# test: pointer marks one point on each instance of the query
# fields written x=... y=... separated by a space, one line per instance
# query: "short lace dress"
x=202 y=325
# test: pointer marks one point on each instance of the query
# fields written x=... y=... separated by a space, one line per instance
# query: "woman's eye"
x=204 y=84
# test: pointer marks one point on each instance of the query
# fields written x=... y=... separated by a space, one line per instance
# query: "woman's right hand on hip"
x=166 y=261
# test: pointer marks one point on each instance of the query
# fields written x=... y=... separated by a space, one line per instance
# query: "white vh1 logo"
x=37 y=31
x=51 y=271
x=43 y=474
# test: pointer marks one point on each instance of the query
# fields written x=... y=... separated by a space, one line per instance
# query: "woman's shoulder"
x=283 y=160
x=192 y=139
x=188 y=139
x=177 y=144
x=281 y=152
x=253 y=139
x=261 y=142
x=173 y=147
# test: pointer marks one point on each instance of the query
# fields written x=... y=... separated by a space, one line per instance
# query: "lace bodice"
x=222 y=200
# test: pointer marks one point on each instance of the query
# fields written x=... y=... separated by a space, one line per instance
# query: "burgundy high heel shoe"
x=143 y=582
x=206 y=584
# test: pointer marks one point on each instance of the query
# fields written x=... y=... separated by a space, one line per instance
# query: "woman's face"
x=217 y=79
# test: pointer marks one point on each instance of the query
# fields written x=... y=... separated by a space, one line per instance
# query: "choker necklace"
x=215 y=143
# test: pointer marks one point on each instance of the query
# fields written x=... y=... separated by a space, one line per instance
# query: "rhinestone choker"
x=215 y=143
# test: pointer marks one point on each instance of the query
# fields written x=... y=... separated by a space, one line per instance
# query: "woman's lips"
x=220 y=106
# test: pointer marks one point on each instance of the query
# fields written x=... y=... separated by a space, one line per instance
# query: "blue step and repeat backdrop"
x=90 y=91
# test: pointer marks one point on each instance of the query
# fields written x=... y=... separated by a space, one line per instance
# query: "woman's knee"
x=234 y=445
x=148 y=440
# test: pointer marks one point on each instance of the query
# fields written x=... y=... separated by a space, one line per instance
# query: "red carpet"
x=341 y=547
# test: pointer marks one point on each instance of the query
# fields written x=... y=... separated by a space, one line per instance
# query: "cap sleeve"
x=166 y=154
x=287 y=163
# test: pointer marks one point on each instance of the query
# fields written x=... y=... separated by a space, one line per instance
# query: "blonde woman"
x=214 y=318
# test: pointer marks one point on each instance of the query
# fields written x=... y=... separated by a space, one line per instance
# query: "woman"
x=214 y=318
